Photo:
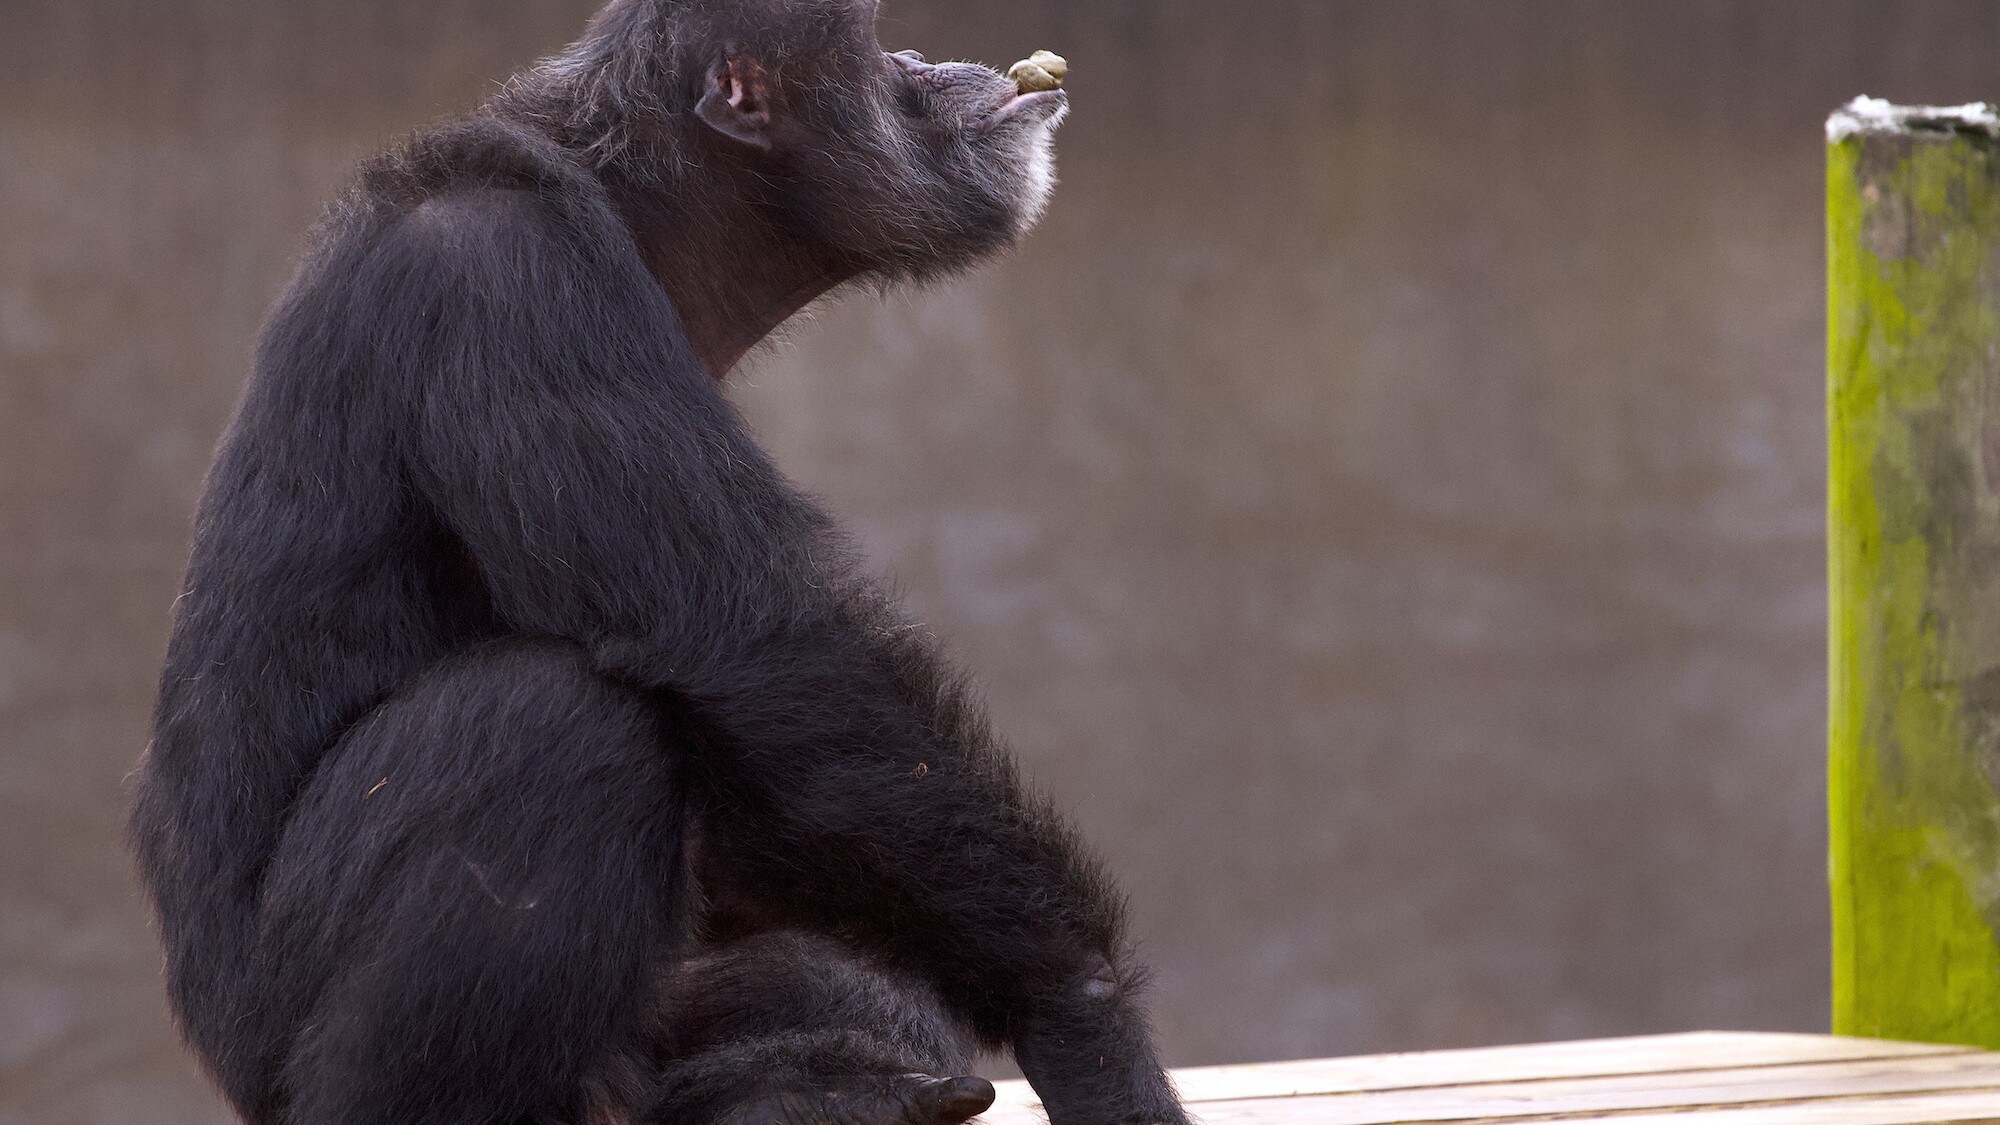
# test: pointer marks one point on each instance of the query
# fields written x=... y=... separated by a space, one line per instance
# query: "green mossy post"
x=1913 y=385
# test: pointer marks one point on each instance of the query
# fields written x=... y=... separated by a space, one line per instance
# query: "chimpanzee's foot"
x=906 y=1099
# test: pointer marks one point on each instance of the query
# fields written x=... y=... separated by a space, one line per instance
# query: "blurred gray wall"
x=1383 y=501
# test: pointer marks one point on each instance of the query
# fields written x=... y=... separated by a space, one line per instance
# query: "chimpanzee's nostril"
x=911 y=61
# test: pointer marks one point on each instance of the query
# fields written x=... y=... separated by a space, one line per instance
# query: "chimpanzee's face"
x=902 y=167
x=1005 y=126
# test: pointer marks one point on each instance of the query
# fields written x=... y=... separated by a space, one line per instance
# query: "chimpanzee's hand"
x=1094 y=1065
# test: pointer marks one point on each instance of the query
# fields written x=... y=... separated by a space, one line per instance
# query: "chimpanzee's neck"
x=731 y=279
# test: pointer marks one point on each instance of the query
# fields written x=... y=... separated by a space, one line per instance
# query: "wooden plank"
x=1701 y=1050
x=1648 y=1054
x=1619 y=1094
x=1960 y=1108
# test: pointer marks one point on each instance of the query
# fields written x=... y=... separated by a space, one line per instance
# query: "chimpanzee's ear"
x=736 y=100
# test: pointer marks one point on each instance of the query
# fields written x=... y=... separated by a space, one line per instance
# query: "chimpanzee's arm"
x=608 y=493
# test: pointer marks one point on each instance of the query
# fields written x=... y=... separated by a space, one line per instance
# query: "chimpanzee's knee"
x=472 y=893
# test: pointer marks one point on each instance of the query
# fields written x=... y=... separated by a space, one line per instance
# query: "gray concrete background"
x=1384 y=501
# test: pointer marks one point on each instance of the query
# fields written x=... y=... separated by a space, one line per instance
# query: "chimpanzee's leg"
x=785 y=1028
x=463 y=921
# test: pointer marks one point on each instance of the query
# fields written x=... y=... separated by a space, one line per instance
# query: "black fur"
x=521 y=726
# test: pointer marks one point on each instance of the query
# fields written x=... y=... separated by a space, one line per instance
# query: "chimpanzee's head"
x=894 y=166
x=910 y=167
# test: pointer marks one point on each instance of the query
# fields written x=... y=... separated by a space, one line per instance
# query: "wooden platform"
x=1700 y=1078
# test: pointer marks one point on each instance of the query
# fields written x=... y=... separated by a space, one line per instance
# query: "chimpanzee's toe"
x=948 y=1101
x=910 y=1099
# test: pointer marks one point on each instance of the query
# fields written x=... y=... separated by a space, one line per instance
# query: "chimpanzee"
x=528 y=748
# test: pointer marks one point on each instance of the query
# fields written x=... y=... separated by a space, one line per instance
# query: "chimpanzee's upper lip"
x=1015 y=99
x=1020 y=101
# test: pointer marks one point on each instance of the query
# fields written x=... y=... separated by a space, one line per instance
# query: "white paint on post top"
x=1874 y=115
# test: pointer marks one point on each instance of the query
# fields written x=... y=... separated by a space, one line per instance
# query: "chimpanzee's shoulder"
x=484 y=160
